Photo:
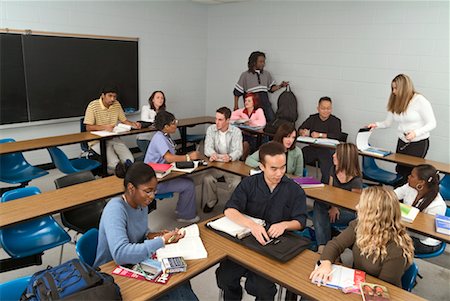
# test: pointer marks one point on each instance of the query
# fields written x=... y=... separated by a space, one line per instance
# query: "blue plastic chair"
x=33 y=236
x=14 y=169
x=437 y=252
x=372 y=172
x=71 y=166
x=409 y=277
x=13 y=289
x=87 y=246
x=444 y=187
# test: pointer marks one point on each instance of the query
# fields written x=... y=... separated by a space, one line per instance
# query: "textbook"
x=362 y=143
x=442 y=224
x=152 y=266
x=374 y=292
x=189 y=247
x=308 y=182
x=322 y=141
x=161 y=169
x=130 y=273
x=409 y=213
x=226 y=225
x=343 y=278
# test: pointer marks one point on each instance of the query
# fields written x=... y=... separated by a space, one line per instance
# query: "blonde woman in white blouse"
x=415 y=118
x=156 y=103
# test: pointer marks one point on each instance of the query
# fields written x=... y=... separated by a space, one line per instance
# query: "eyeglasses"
x=149 y=193
x=175 y=121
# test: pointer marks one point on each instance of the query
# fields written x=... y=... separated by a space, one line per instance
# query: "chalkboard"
x=61 y=75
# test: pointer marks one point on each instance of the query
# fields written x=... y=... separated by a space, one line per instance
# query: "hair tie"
x=430 y=179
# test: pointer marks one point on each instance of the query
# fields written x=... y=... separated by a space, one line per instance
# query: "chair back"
x=13 y=289
x=12 y=163
x=409 y=277
x=444 y=187
x=343 y=137
x=447 y=212
x=87 y=246
x=19 y=193
x=60 y=160
x=85 y=217
x=369 y=163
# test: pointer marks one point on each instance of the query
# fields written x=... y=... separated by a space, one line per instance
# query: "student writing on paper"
x=422 y=192
x=345 y=174
x=124 y=235
x=162 y=150
x=321 y=125
x=102 y=115
x=415 y=118
x=223 y=142
x=270 y=196
x=156 y=103
x=379 y=242
x=286 y=135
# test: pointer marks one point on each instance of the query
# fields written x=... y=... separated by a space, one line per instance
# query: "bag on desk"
x=72 y=280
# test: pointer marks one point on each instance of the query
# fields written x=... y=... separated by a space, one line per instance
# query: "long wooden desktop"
x=293 y=274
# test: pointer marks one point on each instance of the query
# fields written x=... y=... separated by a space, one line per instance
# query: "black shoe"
x=208 y=209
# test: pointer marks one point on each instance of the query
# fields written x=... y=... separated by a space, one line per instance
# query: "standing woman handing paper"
x=415 y=118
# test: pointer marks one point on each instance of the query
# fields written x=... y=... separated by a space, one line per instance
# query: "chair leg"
x=420 y=276
x=61 y=254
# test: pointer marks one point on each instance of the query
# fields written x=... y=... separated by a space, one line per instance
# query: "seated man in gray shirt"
x=223 y=143
x=270 y=196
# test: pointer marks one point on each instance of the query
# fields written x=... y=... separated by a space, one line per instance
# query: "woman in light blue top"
x=286 y=135
x=124 y=235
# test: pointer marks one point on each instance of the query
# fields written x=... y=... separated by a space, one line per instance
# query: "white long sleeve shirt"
x=418 y=117
x=437 y=206
x=148 y=115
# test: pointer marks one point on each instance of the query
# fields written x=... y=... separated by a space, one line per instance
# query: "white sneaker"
x=192 y=220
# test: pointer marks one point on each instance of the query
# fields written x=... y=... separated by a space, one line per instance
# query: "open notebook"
x=189 y=247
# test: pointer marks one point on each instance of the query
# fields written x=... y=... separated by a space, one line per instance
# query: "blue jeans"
x=186 y=206
x=182 y=292
x=322 y=224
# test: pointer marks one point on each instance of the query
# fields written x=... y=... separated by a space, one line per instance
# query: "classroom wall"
x=172 y=51
x=349 y=51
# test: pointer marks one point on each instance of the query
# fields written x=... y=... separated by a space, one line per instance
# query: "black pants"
x=323 y=155
x=416 y=149
x=420 y=248
x=228 y=277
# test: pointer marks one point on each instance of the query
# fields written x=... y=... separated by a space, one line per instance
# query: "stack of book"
x=161 y=169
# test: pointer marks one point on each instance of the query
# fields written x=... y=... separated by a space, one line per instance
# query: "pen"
x=172 y=238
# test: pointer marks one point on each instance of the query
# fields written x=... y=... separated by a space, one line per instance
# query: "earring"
x=419 y=187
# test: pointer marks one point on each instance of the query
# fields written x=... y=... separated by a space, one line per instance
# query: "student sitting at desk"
x=270 y=196
x=422 y=192
x=102 y=115
x=124 y=235
x=321 y=125
x=223 y=143
x=345 y=174
x=162 y=150
x=156 y=102
x=286 y=135
x=255 y=116
x=379 y=242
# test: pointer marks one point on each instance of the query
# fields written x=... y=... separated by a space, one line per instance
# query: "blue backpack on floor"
x=72 y=280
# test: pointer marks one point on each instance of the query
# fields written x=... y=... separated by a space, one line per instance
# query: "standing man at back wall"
x=259 y=81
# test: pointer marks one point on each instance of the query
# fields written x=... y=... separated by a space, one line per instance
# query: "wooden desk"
x=137 y=290
x=293 y=274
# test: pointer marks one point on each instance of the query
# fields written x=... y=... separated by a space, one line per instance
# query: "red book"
x=121 y=271
x=161 y=169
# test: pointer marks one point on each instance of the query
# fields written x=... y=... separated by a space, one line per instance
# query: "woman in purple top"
x=162 y=150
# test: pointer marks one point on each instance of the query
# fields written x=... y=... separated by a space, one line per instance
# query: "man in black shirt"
x=270 y=196
x=321 y=125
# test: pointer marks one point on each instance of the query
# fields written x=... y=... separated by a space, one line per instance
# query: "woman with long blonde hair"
x=379 y=242
x=415 y=118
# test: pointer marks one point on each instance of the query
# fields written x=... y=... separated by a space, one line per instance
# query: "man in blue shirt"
x=270 y=196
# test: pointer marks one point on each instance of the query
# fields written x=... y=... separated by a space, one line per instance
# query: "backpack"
x=286 y=111
x=72 y=280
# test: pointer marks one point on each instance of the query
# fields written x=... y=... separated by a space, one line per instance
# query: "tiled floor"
x=435 y=284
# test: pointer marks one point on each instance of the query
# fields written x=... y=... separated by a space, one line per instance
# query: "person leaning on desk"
x=124 y=235
x=270 y=196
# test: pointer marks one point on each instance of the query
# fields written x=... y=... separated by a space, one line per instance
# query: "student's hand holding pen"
x=173 y=236
x=259 y=232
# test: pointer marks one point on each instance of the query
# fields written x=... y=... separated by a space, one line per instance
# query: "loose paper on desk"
x=362 y=143
x=226 y=225
x=189 y=247
x=185 y=170
x=120 y=128
x=322 y=141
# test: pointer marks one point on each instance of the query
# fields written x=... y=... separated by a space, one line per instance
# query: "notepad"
x=189 y=247
x=226 y=225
